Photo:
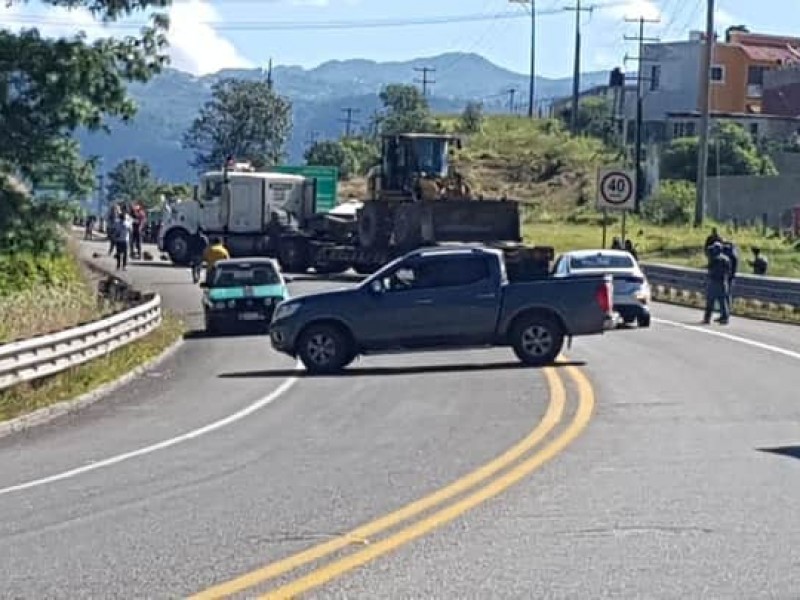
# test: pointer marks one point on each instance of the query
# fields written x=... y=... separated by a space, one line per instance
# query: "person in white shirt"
x=122 y=239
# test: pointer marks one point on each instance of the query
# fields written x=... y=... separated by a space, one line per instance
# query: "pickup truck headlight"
x=286 y=310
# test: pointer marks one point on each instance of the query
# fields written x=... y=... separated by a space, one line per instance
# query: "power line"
x=425 y=81
x=348 y=120
x=641 y=39
x=576 y=75
x=305 y=25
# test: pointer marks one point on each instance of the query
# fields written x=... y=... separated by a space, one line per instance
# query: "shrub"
x=672 y=205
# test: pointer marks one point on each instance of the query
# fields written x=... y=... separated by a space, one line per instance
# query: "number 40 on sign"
x=615 y=189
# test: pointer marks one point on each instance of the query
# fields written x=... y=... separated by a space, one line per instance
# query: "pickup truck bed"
x=442 y=298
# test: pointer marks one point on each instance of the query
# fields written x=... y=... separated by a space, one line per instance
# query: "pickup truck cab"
x=441 y=298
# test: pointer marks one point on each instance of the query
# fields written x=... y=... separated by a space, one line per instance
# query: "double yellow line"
x=553 y=416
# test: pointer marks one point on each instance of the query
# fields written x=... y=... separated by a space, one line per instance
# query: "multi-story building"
x=782 y=92
x=673 y=72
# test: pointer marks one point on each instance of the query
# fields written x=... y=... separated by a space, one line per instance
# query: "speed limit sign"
x=616 y=189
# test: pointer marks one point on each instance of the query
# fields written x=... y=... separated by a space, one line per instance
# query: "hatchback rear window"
x=601 y=261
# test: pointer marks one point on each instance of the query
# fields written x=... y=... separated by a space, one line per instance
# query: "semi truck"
x=415 y=199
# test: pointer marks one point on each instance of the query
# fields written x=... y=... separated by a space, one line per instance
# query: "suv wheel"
x=324 y=349
x=537 y=340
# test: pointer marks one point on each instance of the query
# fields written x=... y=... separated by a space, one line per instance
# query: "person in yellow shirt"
x=216 y=251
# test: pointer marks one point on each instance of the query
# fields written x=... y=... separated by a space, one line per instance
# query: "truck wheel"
x=537 y=340
x=407 y=225
x=372 y=231
x=177 y=246
x=293 y=255
x=324 y=349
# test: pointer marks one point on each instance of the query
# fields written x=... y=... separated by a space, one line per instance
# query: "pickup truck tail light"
x=604 y=296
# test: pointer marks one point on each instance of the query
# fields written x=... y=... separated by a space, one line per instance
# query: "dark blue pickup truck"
x=450 y=297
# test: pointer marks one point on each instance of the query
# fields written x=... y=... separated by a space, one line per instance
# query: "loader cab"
x=410 y=155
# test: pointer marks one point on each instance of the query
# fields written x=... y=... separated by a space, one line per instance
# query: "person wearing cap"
x=718 y=284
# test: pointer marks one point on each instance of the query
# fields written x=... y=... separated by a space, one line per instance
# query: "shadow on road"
x=200 y=334
x=790 y=451
x=373 y=371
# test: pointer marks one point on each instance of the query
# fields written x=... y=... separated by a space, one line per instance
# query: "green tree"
x=673 y=204
x=594 y=117
x=365 y=153
x=49 y=88
x=132 y=181
x=243 y=119
x=406 y=110
x=472 y=118
x=328 y=153
x=730 y=147
x=172 y=191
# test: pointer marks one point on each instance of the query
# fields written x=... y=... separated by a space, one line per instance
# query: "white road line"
x=196 y=433
x=733 y=338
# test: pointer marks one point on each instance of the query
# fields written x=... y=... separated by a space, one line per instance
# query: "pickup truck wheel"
x=324 y=349
x=643 y=320
x=537 y=340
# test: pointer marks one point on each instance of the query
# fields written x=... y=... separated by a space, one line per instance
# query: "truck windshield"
x=243 y=275
x=601 y=261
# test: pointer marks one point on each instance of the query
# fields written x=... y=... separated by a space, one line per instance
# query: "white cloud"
x=633 y=9
x=724 y=19
x=194 y=44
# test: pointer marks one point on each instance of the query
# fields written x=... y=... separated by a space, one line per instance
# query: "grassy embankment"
x=553 y=174
x=39 y=295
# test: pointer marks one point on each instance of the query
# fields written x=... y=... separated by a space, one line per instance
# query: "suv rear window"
x=601 y=261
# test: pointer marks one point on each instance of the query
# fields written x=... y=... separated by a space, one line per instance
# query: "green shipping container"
x=327 y=182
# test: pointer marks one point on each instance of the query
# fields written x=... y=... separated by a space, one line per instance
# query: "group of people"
x=723 y=263
x=616 y=244
x=124 y=228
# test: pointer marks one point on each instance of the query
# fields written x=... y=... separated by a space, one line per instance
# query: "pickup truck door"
x=435 y=300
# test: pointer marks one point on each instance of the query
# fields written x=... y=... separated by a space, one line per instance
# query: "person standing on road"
x=630 y=249
x=197 y=248
x=712 y=239
x=730 y=250
x=717 y=284
x=122 y=238
x=759 y=263
x=216 y=251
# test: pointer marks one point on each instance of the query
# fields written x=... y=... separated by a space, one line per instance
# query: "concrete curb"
x=60 y=409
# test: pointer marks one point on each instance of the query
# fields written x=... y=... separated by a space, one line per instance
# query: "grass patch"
x=44 y=294
x=741 y=308
x=535 y=161
x=672 y=245
x=27 y=397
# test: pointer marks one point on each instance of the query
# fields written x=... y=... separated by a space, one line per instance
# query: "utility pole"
x=269 y=75
x=511 y=93
x=425 y=81
x=639 y=94
x=705 y=110
x=348 y=120
x=576 y=74
x=532 y=84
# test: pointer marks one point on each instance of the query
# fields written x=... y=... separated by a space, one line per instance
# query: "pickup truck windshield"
x=600 y=261
x=243 y=275
x=437 y=272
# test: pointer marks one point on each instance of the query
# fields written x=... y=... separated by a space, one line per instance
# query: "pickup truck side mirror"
x=376 y=287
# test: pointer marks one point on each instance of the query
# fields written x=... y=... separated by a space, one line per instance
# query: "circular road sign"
x=616 y=188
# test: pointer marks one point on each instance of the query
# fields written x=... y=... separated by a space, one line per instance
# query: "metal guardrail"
x=777 y=290
x=36 y=357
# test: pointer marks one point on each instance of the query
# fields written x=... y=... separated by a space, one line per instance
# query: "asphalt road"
x=670 y=492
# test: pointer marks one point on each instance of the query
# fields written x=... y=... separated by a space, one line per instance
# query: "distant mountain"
x=169 y=102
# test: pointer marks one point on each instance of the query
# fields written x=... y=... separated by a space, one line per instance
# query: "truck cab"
x=242 y=206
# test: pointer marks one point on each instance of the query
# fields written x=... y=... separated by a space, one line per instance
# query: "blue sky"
x=208 y=35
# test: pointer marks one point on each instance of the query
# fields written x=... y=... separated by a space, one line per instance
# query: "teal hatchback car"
x=242 y=292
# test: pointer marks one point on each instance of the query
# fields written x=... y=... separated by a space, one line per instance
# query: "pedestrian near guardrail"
x=759 y=263
x=718 y=284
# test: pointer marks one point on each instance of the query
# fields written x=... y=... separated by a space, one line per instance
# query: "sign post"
x=615 y=191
